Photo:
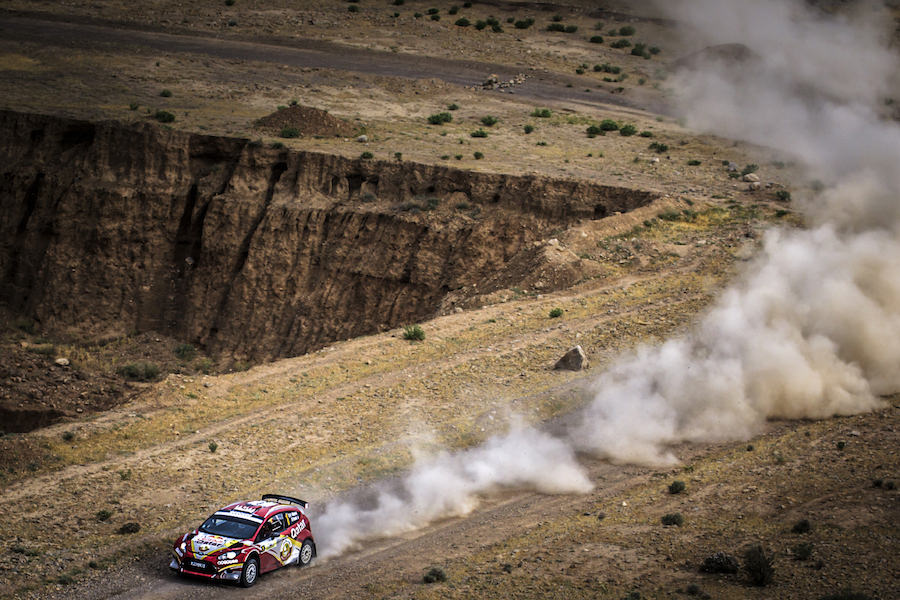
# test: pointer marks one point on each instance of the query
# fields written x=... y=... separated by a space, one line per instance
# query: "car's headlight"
x=229 y=555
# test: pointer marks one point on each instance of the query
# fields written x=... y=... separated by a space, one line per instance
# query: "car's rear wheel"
x=250 y=573
x=307 y=551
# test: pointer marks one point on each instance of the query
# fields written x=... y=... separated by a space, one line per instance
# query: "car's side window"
x=278 y=524
x=292 y=517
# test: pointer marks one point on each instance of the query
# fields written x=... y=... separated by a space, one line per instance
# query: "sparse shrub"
x=440 y=118
x=593 y=131
x=398 y=156
x=529 y=128
x=556 y=313
x=597 y=39
x=185 y=352
x=524 y=23
x=353 y=8
x=134 y=106
x=889 y=485
x=659 y=147
x=164 y=116
x=802 y=551
x=559 y=27
x=435 y=575
x=758 y=564
x=276 y=145
x=676 y=487
x=462 y=206
x=232 y=23
x=93 y=564
x=479 y=133
x=413 y=333
x=694 y=163
x=489 y=121
x=801 y=526
x=467 y=5
x=435 y=17
x=783 y=196
x=398 y=2
x=626 y=30
x=432 y=203
x=463 y=22
x=213 y=447
x=68 y=436
x=570 y=28
x=640 y=49
x=542 y=113
x=289 y=132
x=841 y=445
x=166 y=93
x=130 y=528
x=417 y=15
x=141 y=371
x=453 y=10
x=720 y=562
x=541 y=143
x=366 y=155
x=628 y=130
x=452 y=107
x=229 y=2
x=646 y=134
x=205 y=365
x=125 y=475
x=103 y=514
x=479 y=25
x=620 y=43
x=580 y=70
x=751 y=168
x=478 y=155
x=672 y=519
x=458 y=156
x=655 y=50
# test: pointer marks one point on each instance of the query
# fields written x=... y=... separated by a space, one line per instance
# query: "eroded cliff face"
x=252 y=252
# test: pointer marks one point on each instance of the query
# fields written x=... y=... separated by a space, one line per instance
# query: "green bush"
x=68 y=436
x=529 y=128
x=628 y=130
x=694 y=163
x=435 y=17
x=478 y=155
x=626 y=30
x=593 y=130
x=608 y=125
x=758 y=564
x=432 y=11
x=413 y=333
x=802 y=551
x=366 y=155
x=462 y=22
x=213 y=447
x=479 y=25
x=783 y=195
x=646 y=134
x=556 y=27
x=479 y=133
x=398 y=2
x=229 y=2
x=166 y=94
x=801 y=526
x=440 y=118
x=134 y=106
x=556 y=313
x=597 y=39
x=676 y=487
x=103 y=515
x=640 y=49
x=543 y=113
x=453 y=10
x=185 y=352
x=524 y=23
x=489 y=121
x=452 y=107
x=620 y=43
x=658 y=147
x=435 y=575
x=571 y=28
x=672 y=519
x=556 y=18
x=607 y=68
x=164 y=116
x=720 y=562
x=130 y=528
x=353 y=8
x=141 y=371
x=751 y=168
x=289 y=132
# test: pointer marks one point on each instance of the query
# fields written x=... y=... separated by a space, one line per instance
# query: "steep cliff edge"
x=249 y=251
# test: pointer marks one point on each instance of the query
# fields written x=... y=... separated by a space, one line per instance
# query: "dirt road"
x=80 y=34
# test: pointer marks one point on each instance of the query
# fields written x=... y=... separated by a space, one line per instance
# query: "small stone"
x=363 y=138
x=751 y=177
x=754 y=185
x=62 y=362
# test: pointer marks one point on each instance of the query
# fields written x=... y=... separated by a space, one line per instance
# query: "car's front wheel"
x=306 y=553
x=250 y=573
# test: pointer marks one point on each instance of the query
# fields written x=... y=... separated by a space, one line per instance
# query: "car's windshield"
x=229 y=527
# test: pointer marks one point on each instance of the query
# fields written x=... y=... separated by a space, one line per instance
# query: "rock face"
x=573 y=360
x=252 y=252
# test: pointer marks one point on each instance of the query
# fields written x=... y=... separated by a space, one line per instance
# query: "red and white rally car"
x=245 y=539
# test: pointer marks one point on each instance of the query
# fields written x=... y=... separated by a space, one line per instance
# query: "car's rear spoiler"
x=286 y=500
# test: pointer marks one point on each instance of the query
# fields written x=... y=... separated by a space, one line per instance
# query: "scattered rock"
x=754 y=185
x=732 y=167
x=363 y=138
x=573 y=360
x=751 y=177
x=62 y=362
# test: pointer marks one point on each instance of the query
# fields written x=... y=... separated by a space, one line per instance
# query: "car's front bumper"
x=206 y=569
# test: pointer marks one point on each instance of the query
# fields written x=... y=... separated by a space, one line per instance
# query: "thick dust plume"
x=448 y=485
x=812 y=327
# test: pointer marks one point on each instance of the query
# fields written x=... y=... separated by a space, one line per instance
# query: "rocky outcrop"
x=249 y=251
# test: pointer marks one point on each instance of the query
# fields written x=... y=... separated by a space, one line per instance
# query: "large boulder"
x=573 y=360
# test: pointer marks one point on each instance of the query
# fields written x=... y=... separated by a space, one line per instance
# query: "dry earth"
x=330 y=421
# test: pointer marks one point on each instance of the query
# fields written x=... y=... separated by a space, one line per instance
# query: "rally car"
x=245 y=539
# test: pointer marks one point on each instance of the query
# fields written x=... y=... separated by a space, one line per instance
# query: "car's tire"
x=250 y=572
x=307 y=551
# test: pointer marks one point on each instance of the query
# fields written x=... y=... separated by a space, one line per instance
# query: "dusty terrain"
x=475 y=238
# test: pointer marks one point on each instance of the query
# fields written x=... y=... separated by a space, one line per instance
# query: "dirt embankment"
x=248 y=251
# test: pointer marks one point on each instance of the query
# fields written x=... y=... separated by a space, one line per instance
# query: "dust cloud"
x=810 y=330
